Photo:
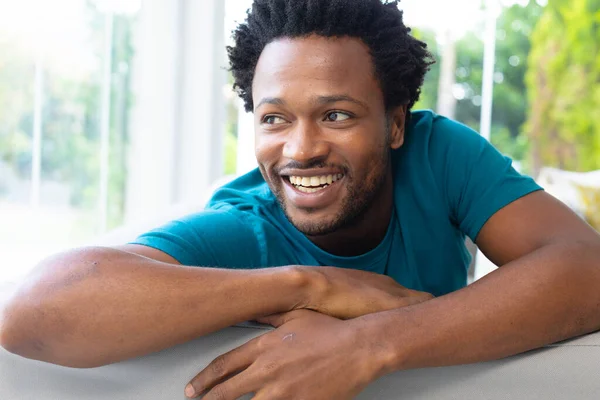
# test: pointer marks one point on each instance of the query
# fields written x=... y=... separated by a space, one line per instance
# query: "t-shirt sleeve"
x=475 y=178
x=211 y=238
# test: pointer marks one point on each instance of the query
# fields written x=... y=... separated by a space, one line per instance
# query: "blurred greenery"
x=429 y=90
x=510 y=102
x=546 y=97
x=16 y=97
x=564 y=86
x=547 y=84
x=71 y=117
x=230 y=153
x=590 y=197
x=231 y=129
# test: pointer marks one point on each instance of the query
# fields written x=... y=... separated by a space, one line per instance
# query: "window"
x=114 y=111
x=64 y=106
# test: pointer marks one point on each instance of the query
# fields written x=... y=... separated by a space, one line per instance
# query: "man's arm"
x=545 y=291
x=95 y=306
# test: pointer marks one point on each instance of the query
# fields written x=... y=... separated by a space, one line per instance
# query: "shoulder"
x=441 y=151
x=438 y=133
x=247 y=193
x=447 y=147
x=474 y=179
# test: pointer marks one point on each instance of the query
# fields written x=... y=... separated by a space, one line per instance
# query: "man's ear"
x=397 y=126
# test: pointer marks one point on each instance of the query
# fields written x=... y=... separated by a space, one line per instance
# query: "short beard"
x=355 y=205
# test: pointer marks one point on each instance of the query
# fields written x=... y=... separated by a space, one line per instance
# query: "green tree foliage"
x=514 y=27
x=564 y=86
x=16 y=95
x=510 y=102
x=428 y=99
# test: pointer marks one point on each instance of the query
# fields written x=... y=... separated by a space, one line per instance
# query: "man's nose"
x=306 y=143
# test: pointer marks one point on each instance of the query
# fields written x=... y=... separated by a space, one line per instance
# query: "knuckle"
x=260 y=343
x=218 y=366
x=278 y=393
x=263 y=342
x=219 y=392
x=270 y=367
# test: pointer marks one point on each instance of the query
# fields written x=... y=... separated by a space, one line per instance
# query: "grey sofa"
x=568 y=370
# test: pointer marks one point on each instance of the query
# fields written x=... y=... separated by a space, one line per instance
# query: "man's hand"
x=348 y=293
x=309 y=356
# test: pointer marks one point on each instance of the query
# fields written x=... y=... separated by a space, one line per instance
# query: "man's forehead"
x=333 y=66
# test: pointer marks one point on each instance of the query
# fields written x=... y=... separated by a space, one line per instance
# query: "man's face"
x=322 y=135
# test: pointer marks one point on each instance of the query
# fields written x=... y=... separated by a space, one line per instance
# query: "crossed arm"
x=100 y=306
x=545 y=291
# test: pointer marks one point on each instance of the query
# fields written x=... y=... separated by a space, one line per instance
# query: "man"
x=360 y=208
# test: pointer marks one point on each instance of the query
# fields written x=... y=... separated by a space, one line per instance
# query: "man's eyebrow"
x=342 y=97
x=271 y=100
x=321 y=100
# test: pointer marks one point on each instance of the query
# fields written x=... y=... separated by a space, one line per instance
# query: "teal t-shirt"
x=448 y=181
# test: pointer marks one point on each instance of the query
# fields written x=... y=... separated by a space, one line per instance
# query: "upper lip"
x=309 y=172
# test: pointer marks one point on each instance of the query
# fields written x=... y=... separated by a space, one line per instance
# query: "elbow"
x=11 y=339
x=16 y=335
x=17 y=340
x=21 y=335
x=38 y=322
x=8 y=335
x=6 y=341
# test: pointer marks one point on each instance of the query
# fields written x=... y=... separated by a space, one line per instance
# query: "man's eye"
x=337 y=116
x=273 y=120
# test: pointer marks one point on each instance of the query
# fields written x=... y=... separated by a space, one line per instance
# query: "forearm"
x=96 y=306
x=547 y=296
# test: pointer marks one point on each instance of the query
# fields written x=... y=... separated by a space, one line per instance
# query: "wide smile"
x=313 y=191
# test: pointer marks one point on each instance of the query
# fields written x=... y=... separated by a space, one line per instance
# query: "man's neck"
x=367 y=231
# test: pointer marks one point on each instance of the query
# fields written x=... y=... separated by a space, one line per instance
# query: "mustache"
x=314 y=164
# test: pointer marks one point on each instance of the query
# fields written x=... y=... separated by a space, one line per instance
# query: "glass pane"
x=64 y=40
x=235 y=13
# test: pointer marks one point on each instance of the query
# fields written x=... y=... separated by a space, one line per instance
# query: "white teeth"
x=313 y=184
x=309 y=190
x=314 y=181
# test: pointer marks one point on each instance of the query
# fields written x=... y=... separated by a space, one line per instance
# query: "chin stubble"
x=355 y=205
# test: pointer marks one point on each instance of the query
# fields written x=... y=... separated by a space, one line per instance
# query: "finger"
x=277 y=320
x=221 y=367
x=260 y=395
x=233 y=388
x=273 y=320
x=269 y=394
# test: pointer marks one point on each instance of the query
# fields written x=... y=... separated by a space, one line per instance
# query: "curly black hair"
x=400 y=60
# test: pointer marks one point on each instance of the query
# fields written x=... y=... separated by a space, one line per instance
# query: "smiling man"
x=348 y=238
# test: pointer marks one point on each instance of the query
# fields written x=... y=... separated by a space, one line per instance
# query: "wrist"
x=383 y=353
x=300 y=285
x=312 y=286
